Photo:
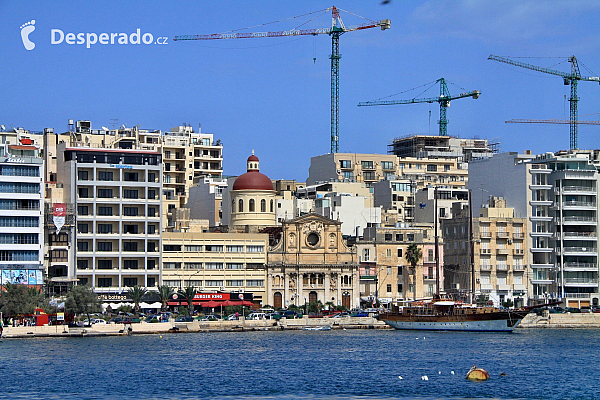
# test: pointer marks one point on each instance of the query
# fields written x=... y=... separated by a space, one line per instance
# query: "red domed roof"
x=253 y=180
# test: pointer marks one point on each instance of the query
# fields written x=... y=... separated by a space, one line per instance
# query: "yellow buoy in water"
x=477 y=374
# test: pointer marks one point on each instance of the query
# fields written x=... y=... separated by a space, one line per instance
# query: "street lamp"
x=305 y=307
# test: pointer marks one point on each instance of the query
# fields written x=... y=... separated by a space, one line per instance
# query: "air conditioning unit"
x=241 y=290
x=456 y=286
x=222 y=288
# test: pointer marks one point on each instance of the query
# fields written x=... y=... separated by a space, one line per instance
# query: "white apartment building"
x=21 y=214
x=118 y=223
x=558 y=196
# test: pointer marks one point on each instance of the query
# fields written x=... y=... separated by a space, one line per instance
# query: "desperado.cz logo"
x=57 y=36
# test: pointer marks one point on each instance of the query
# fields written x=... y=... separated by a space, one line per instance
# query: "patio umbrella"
x=210 y=304
x=247 y=303
x=229 y=303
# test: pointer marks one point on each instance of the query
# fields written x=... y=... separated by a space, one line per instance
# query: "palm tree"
x=189 y=292
x=137 y=293
x=164 y=294
x=413 y=256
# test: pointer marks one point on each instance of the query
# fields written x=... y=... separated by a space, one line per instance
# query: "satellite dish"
x=105 y=129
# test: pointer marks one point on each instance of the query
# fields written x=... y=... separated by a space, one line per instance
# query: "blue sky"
x=271 y=96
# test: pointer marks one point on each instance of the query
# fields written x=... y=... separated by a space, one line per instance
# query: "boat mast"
x=437 y=239
x=471 y=247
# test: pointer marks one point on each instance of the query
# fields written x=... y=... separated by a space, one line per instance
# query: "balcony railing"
x=581 y=280
x=590 y=266
x=519 y=267
x=485 y=267
x=502 y=267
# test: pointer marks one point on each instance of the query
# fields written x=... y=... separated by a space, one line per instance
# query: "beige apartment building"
x=385 y=275
x=500 y=252
x=216 y=262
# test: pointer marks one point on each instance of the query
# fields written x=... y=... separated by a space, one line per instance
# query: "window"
x=130 y=176
x=105 y=175
x=19 y=222
x=171 y=265
x=263 y=205
x=105 y=210
x=130 y=211
x=366 y=254
x=104 y=246
x=130 y=281
x=388 y=252
x=83 y=193
x=151 y=229
x=151 y=177
x=430 y=256
x=104 y=282
x=431 y=168
x=251 y=205
x=255 y=249
x=172 y=283
x=58 y=255
x=16 y=187
x=410 y=237
x=192 y=247
x=241 y=206
x=235 y=283
x=388 y=270
x=151 y=195
x=82 y=175
x=399 y=237
x=399 y=252
x=104 y=228
x=130 y=193
x=255 y=283
x=213 y=283
x=171 y=247
x=446 y=167
x=214 y=247
x=388 y=236
x=389 y=288
x=82 y=264
x=130 y=264
x=28 y=238
x=213 y=265
x=194 y=283
x=151 y=212
x=369 y=176
x=104 y=264
x=387 y=165
x=234 y=266
x=367 y=164
x=131 y=229
x=82 y=246
x=254 y=266
x=82 y=228
x=235 y=249
x=105 y=193
x=192 y=265
x=345 y=164
x=271 y=207
x=348 y=175
x=152 y=247
x=130 y=246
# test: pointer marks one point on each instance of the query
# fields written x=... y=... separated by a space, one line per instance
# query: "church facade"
x=310 y=261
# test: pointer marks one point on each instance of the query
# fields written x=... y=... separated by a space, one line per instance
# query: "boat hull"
x=492 y=322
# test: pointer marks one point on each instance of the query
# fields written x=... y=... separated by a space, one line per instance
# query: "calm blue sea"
x=351 y=364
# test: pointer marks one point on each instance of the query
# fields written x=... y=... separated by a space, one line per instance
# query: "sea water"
x=338 y=364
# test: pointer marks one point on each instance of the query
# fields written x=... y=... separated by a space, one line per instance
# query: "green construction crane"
x=335 y=31
x=568 y=78
x=444 y=100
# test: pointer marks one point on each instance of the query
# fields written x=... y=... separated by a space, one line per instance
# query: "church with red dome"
x=252 y=199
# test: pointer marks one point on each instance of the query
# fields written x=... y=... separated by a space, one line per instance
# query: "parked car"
x=572 y=310
x=98 y=321
x=586 y=309
x=256 y=316
x=211 y=317
x=289 y=314
x=184 y=319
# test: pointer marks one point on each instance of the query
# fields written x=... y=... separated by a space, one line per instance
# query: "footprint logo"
x=26 y=29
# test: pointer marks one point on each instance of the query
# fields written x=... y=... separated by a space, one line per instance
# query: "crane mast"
x=571 y=78
x=337 y=29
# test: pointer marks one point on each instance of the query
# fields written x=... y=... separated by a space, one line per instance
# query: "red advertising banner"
x=212 y=296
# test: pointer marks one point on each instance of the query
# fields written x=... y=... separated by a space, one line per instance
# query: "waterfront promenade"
x=532 y=321
x=195 y=326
